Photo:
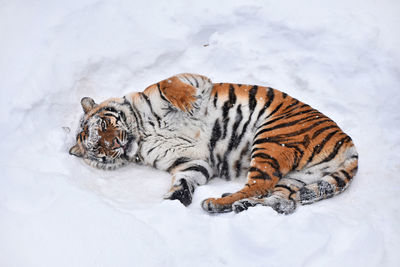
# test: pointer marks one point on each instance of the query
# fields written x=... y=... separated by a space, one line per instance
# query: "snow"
x=341 y=57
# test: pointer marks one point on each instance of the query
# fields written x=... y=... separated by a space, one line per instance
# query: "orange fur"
x=180 y=94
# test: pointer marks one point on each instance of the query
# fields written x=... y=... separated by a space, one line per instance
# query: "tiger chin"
x=196 y=130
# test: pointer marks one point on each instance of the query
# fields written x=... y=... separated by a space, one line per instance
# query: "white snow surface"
x=341 y=57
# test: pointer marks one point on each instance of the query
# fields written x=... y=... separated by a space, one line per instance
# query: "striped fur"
x=197 y=130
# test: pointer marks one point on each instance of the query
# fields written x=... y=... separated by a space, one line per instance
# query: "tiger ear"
x=87 y=104
x=76 y=151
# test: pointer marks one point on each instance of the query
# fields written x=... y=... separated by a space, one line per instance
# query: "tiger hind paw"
x=243 y=204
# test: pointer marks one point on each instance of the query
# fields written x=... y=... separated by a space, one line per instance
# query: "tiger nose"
x=116 y=143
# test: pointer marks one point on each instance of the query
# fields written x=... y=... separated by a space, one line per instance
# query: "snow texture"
x=341 y=57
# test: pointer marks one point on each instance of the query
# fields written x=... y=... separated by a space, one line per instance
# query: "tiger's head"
x=106 y=137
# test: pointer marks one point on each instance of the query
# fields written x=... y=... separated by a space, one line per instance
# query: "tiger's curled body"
x=196 y=130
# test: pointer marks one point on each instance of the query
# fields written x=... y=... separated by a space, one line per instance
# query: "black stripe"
x=80 y=137
x=336 y=149
x=288 y=124
x=134 y=111
x=263 y=175
x=302 y=131
x=234 y=141
x=238 y=162
x=109 y=109
x=318 y=132
x=280 y=136
x=313 y=111
x=117 y=117
x=155 y=163
x=252 y=98
x=292 y=104
x=219 y=163
x=147 y=100
x=270 y=97
x=198 y=168
x=256 y=149
x=268 y=140
x=340 y=183
x=232 y=95
x=184 y=139
x=189 y=81
x=186 y=80
x=296 y=108
x=123 y=116
x=224 y=169
x=298 y=155
x=299 y=181
x=161 y=94
x=215 y=136
x=252 y=106
x=177 y=162
x=274 y=164
x=306 y=141
x=149 y=151
x=215 y=99
x=275 y=110
x=238 y=167
x=346 y=174
x=204 y=82
x=226 y=107
x=318 y=148
x=285 y=187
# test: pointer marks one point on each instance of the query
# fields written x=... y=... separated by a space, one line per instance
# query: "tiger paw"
x=181 y=191
x=242 y=205
x=285 y=206
x=211 y=206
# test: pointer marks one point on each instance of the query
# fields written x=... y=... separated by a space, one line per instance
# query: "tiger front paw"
x=211 y=206
x=181 y=191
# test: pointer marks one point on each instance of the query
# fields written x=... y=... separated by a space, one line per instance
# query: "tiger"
x=196 y=130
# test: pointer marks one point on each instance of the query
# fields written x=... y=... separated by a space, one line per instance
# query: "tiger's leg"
x=267 y=167
x=282 y=199
x=186 y=176
x=329 y=185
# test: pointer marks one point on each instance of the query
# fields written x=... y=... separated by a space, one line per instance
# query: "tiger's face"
x=105 y=139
